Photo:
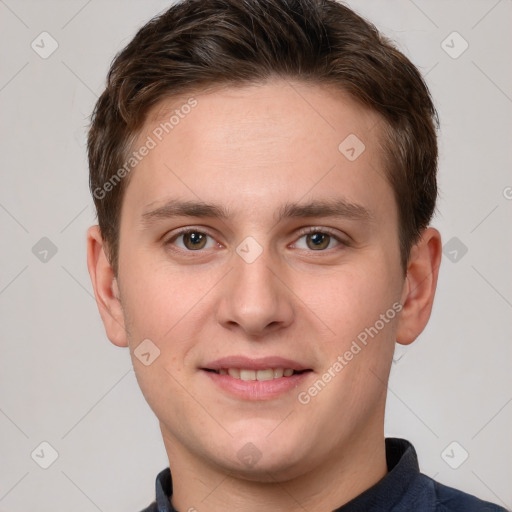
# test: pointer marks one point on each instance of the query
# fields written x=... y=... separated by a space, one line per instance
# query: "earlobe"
x=106 y=290
x=419 y=286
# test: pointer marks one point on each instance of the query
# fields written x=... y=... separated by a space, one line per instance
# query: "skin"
x=251 y=150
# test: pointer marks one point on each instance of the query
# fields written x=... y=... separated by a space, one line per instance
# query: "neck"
x=349 y=471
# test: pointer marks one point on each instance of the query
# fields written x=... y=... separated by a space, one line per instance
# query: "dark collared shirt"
x=403 y=489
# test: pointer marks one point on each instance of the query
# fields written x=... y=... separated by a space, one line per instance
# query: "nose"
x=255 y=298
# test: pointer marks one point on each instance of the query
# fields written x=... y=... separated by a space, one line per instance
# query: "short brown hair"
x=197 y=44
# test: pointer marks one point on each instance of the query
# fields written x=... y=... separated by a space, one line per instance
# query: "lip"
x=247 y=363
x=254 y=390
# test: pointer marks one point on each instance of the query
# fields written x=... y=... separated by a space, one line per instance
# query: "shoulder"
x=151 y=508
x=448 y=499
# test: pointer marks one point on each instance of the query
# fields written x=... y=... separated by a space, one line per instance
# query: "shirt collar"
x=403 y=469
x=402 y=465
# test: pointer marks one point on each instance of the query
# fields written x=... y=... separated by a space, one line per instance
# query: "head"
x=297 y=148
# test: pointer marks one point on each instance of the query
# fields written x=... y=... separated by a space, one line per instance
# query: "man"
x=264 y=175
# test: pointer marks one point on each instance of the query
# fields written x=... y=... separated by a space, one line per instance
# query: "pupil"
x=318 y=240
x=194 y=240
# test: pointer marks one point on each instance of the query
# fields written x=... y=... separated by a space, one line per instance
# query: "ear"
x=419 y=286
x=105 y=286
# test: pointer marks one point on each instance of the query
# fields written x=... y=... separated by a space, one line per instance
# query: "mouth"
x=247 y=374
x=256 y=379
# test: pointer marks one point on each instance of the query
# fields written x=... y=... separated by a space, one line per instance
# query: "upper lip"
x=261 y=363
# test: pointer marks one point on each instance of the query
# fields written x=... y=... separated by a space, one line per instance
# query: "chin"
x=276 y=468
x=265 y=458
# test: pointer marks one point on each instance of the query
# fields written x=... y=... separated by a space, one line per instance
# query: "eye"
x=192 y=240
x=317 y=240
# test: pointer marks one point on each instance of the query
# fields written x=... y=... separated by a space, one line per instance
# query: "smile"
x=261 y=375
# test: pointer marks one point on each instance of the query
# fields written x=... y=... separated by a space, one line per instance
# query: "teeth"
x=264 y=374
x=278 y=373
x=267 y=374
x=247 y=375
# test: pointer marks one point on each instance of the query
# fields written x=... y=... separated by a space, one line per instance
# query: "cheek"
x=155 y=296
x=350 y=299
x=168 y=307
x=160 y=307
x=357 y=304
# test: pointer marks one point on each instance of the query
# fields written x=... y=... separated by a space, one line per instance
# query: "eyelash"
x=325 y=231
x=303 y=232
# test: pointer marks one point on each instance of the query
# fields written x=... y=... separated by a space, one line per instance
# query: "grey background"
x=61 y=381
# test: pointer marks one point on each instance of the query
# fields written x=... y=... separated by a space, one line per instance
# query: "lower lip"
x=257 y=389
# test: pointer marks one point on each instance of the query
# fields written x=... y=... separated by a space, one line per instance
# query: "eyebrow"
x=318 y=208
x=177 y=208
x=326 y=208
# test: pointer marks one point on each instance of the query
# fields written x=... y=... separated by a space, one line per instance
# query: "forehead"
x=260 y=145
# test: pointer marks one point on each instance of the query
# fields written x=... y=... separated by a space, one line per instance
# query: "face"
x=252 y=246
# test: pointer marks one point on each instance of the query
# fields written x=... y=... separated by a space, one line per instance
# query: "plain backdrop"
x=63 y=383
